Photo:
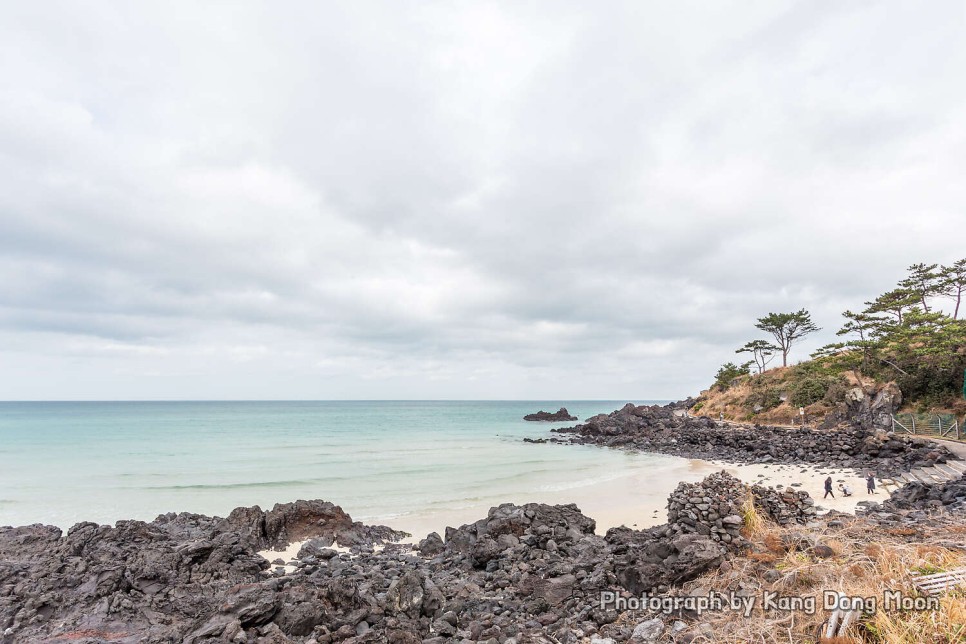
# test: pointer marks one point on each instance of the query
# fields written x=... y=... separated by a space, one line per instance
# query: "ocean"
x=382 y=461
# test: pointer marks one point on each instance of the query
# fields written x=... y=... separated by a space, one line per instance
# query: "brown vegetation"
x=861 y=561
x=772 y=397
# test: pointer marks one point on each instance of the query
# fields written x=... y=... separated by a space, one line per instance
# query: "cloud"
x=454 y=200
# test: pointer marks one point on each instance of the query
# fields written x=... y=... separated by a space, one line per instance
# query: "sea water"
x=64 y=462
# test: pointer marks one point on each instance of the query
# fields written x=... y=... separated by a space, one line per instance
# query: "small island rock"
x=561 y=414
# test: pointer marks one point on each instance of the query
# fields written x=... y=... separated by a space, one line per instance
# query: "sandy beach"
x=812 y=480
x=639 y=501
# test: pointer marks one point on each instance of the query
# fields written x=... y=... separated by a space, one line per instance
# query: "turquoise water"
x=64 y=462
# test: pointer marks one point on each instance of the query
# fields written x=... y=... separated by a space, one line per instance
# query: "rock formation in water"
x=560 y=414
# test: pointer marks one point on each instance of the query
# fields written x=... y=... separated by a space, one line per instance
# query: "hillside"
x=774 y=397
x=904 y=351
x=820 y=386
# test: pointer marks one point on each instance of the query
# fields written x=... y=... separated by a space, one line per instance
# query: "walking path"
x=956 y=447
x=936 y=474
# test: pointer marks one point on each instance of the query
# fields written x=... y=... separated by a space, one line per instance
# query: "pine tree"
x=762 y=352
x=953 y=283
x=787 y=329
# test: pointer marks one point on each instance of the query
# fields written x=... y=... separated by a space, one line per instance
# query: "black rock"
x=561 y=414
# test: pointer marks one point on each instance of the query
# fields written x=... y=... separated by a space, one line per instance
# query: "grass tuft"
x=868 y=562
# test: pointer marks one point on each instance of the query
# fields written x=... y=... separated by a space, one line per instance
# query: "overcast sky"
x=326 y=200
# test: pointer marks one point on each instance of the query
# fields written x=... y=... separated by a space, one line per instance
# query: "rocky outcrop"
x=663 y=429
x=919 y=504
x=560 y=415
x=533 y=573
x=712 y=507
x=784 y=507
x=705 y=520
x=652 y=561
x=181 y=576
x=870 y=409
x=287 y=522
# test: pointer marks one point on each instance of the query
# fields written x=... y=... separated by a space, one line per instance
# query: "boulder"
x=649 y=631
x=432 y=545
x=406 y=594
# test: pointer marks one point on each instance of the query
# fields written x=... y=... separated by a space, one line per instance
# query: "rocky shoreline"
x=518 y=574
x=530 y=573
x=919 y=504
x=670 y=430
x=524 y=573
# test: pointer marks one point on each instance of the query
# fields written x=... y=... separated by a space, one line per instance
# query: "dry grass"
x=867 y=562
x=733 y=402
x=753 y=521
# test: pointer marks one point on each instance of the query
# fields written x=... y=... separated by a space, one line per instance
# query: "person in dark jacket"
x=870 y=483
x=828 y=488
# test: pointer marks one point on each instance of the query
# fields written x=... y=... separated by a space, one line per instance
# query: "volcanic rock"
x=559 y=415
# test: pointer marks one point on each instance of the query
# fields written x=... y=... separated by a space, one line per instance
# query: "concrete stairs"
x=936 y=474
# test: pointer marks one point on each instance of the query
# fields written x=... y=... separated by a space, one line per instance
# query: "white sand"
x=812 y=480
x=629 y=500
x=637 y=500
x=290 y=552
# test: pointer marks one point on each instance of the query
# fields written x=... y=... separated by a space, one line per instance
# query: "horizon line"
x=221 y=400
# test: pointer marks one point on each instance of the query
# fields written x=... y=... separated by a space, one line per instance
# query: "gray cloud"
x=385 y=200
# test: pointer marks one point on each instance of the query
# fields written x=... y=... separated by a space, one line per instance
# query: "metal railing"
x=938 y=425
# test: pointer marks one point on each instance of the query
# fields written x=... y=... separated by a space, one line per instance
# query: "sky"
x=458 y=200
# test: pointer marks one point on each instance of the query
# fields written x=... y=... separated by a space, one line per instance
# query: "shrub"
x=818 y=388
x=728 y=373
x=808 y=391
x=766 y=398
x=836 y=392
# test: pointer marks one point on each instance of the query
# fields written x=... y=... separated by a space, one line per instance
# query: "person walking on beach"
x=828 y=488
x=870 y=483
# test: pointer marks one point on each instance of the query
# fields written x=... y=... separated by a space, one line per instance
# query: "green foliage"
x=836 y=391
x=819 y=380
x=953 y=284
x=812 y=389
x=764 y=399
x=729 y=372
x=787 y=328
x=903 y=336
x=815 y=368
x=762 y=352
x=922 y=283
x=896 y=303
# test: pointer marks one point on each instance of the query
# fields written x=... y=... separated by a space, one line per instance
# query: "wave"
x=356 y=477
x=461 y=503
x=571 y=485
x=228 y=486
